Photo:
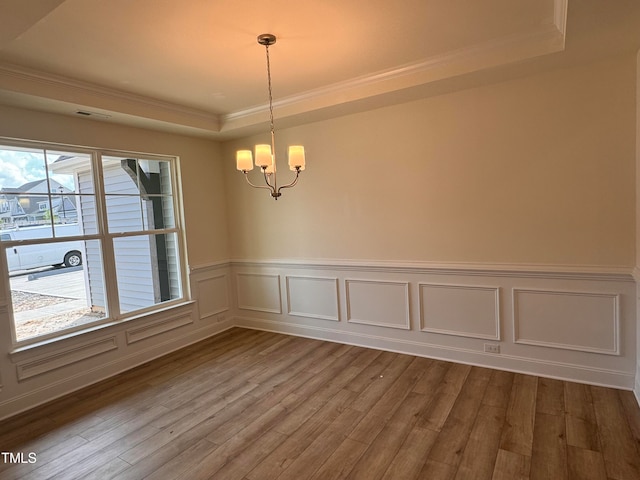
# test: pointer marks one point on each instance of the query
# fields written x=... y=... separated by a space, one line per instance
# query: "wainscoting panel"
x=157 y=327
x=259 y=292
x=64 y=357
x=468 y=311
x=571 y=320
x=575 y=323
x=379 y=303
x=313 y=297
x=213 y=295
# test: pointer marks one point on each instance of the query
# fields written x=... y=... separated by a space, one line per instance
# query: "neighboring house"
x=30 y=204
x=11 y=212
x=147 y=268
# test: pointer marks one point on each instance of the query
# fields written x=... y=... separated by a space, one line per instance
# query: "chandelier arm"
x=268 y=185
x=293 y=183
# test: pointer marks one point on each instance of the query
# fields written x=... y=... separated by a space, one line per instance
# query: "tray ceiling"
x=195 y=67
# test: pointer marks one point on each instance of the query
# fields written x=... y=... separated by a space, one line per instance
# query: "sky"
x=19 y=167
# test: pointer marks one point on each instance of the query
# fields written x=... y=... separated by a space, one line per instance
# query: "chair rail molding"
x=569 y=272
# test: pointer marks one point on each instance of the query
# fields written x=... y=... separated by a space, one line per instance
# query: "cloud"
x=19 y=167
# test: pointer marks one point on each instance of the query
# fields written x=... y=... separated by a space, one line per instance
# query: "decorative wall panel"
x=583 y=321
x=213 y=295
x=314 y=297
x=63 y=357
x=259 y=292
x=379 y=303
x=468 y=311
x=157 y=327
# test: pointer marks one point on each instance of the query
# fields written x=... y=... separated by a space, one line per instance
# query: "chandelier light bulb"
x=244 y=160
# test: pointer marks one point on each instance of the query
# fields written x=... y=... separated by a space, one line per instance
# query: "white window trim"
x=108 y=257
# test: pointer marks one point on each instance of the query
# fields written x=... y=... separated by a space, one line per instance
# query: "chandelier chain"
x=273 y=147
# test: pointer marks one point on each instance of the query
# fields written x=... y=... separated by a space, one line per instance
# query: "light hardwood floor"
x=255 y=405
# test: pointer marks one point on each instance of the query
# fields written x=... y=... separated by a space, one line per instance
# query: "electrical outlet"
x=492 y=348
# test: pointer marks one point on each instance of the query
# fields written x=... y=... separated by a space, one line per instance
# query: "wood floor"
x=255 y=405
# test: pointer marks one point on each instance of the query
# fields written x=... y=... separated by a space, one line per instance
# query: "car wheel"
x=73 y=259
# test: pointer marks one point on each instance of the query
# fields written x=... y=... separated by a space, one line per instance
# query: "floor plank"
x=511 y=466
x=435 y=414
x=585 y=464
x=549 y=457
x=621 y=458
x=517 y=436
x=582 y=430
x=384 y=447
x=455 y=432
x=410 y=459
x=479 y=457
x=251 y=405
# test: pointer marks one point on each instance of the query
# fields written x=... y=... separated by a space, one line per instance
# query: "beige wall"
x=202 y=180
x=637 y=172
x=538 y=170
x=637 y=264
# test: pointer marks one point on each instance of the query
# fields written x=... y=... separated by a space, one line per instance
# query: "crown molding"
x=549 y=39
x=130 y=108
x=32 y=82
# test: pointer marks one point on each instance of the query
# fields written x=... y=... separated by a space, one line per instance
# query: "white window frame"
x=106 y=240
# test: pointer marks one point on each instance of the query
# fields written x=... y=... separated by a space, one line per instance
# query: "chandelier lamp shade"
x=265 y=158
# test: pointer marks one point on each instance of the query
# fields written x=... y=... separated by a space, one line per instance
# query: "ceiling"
x=194 y=66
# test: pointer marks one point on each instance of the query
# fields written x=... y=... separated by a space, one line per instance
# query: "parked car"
x=24 y=257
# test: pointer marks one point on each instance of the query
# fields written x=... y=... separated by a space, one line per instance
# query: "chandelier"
x=265 y=154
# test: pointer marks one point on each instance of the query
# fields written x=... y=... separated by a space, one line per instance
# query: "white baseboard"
x=560 y=371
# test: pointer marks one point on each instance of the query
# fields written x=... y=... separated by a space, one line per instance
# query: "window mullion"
x=108 y=256
x=178 y=212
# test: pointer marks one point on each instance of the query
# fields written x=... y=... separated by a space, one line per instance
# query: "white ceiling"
x=194 y=66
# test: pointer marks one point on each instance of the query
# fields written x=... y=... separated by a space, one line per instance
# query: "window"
x=98 y=237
